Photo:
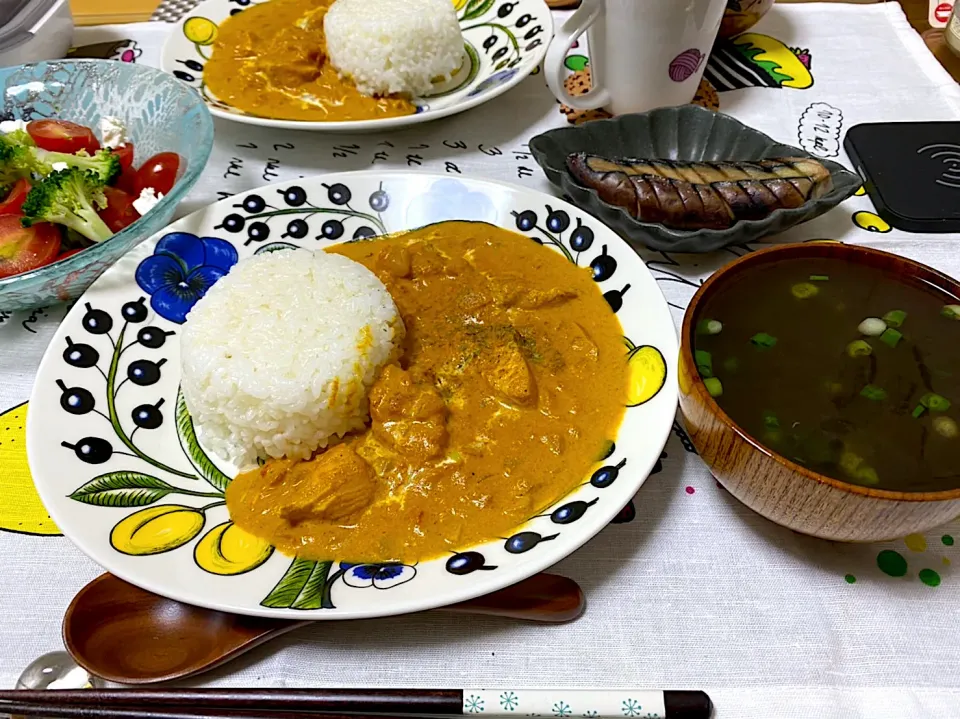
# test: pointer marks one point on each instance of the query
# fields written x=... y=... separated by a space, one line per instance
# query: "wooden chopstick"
x=79 y=711
x=281 y=703
x=448 y=702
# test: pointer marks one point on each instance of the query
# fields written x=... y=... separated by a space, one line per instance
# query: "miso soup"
x=843 y=368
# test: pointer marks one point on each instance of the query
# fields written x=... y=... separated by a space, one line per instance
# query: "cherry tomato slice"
x=26 y=248
x=119 y=212
x=125 y=154
x=126 y=181
x=14 y=200
x=63 y=136
x=159 y=172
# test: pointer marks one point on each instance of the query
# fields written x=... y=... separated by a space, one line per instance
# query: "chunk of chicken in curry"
x=512 y=380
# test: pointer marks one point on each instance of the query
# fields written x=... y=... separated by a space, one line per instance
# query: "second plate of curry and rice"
x=355 y=382
x=352 y=65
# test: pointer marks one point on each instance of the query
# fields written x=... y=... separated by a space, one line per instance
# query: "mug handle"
x=554 y=69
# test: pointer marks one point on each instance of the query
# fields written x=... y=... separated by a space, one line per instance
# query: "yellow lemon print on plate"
x=20 y=507
x=870 y=222
x=647 y=372
x=860 y=191
x=157 y=529
x=459 y=4
x=200 y=30
x=226 y=550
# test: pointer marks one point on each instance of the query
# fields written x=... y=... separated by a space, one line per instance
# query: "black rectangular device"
x=911 y=170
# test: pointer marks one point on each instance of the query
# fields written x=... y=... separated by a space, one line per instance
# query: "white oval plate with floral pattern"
x=505 y=40
x=116 y=461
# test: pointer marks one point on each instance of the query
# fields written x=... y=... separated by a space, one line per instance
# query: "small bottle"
x=952 y=32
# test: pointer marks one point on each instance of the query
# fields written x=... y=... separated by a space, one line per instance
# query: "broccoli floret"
x=20 y=137
x=103 y=163
x=69 y=197
x=17 y=160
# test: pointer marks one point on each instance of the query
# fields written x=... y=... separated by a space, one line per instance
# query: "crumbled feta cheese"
x=35 y=86
x=147 y=201
x=58 y=166
x=113 y=132
x=8 y=126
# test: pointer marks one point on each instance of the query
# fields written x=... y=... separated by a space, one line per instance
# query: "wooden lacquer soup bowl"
x=775 y=487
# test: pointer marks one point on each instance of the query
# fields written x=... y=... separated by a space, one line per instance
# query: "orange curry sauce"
x=512 y=380
x=271 y=61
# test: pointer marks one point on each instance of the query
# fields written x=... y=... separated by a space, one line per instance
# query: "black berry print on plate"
x=335 y=211
x=80 y=355
x=467 y=563
x=614 y=298
x=92 y=450
x=525 y=541
x=152 y=337
x=75 y=400
x=148 y=416
x=605 y=476
x=140 y=372
x=603 y=266
x=570 y=512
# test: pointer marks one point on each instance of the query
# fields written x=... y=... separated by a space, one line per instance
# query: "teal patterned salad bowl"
x=160 y=114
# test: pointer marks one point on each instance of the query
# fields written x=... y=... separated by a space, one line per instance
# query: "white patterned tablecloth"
x=696 y=591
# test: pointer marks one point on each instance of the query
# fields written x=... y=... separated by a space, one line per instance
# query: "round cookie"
x=579 y=84
x=707 y=96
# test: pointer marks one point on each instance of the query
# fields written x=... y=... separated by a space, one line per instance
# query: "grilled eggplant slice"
x=697 y=195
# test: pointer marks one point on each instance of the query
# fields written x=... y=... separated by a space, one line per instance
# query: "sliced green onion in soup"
x=859 y=348
x=935 y=402
x=704 y=361
x=762 y=339
x=819 y=278
x=770 y=420
x=918 y=411
x=895 y=318
x=804 y=290
x=867 y=475
x=951 y=312
x=872 y=392
x=731 y=364
x=891 y=337
x=714 y=386
x=850 y=462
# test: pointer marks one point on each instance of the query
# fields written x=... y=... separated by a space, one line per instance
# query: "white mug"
x=644 y=54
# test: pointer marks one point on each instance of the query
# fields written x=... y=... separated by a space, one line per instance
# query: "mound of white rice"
x=394 y=46
x=279 y=355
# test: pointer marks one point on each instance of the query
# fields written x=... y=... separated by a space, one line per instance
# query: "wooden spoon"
x=125 y=634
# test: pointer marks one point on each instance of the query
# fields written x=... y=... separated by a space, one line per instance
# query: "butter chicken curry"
x=512 y=380
x=271 y=61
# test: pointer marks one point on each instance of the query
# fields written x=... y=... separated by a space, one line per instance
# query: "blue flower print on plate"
x=181 y=270
x=493 y=81
x=450 y=200
x=381 y=576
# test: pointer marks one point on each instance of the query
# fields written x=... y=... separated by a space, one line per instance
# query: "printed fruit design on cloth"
x=20 y=507
x=754 y=60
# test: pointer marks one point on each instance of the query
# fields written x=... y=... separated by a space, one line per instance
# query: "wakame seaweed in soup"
x=840 y=367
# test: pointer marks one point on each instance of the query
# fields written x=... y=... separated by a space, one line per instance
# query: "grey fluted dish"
x=687 y=133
